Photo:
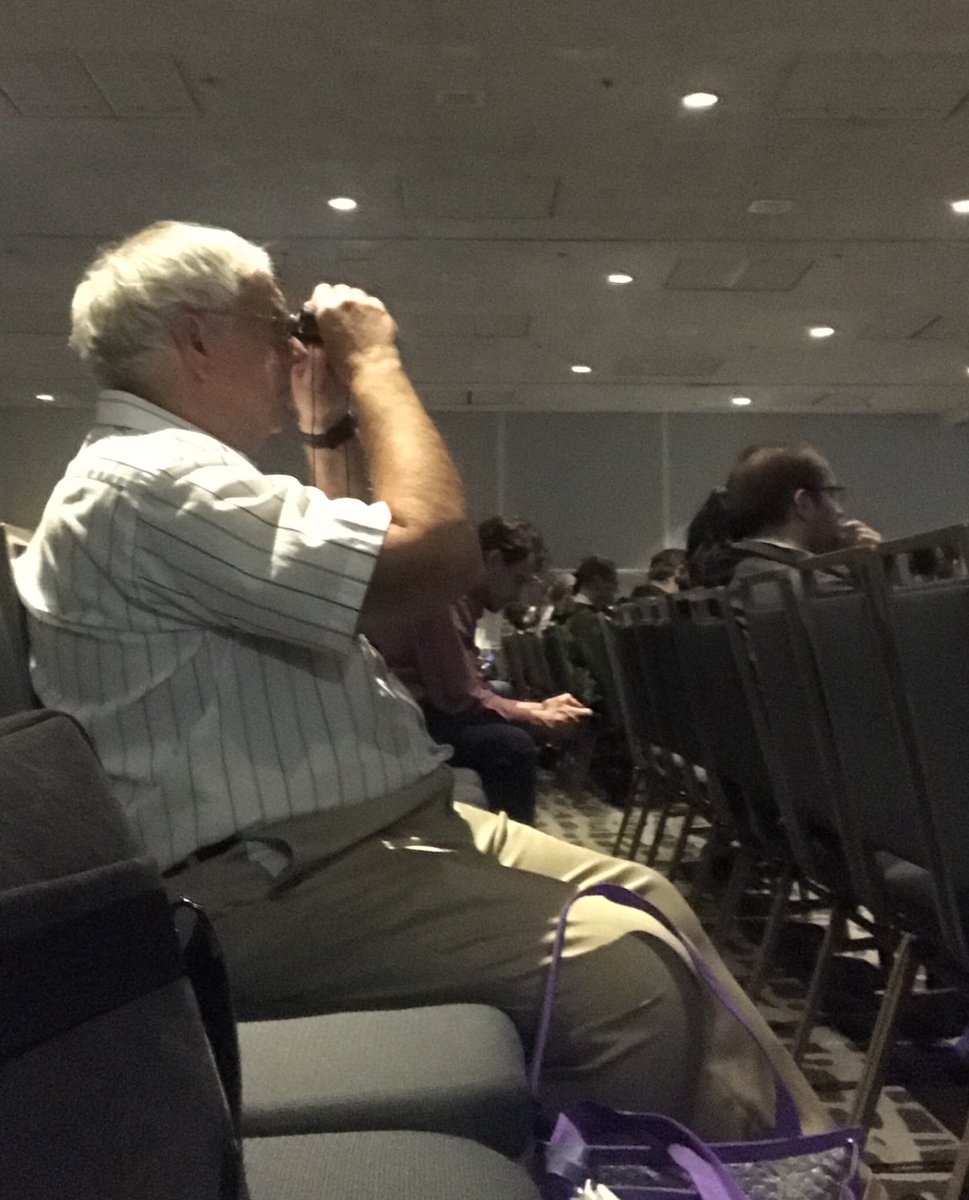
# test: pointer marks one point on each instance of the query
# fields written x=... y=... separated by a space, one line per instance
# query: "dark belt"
x=203 y=854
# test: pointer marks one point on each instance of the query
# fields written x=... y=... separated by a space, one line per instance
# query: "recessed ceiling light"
x=342 y=203
x=580 y=369
x=45 y=396
x=700 y=100
x=741 y=401
x=821 y=331
x=619 y=277
x=960 y=206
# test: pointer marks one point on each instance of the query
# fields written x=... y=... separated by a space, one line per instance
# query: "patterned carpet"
x=909 y=1148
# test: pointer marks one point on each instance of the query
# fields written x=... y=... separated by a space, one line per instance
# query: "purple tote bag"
x=646 y=1156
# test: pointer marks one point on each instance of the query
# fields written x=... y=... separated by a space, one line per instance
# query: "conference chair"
x=710 y=647
x=406 y=1071
x=801 y=757
x=618 y=641
x=690 y=788
x=16 y=692
x=515 y=665
x=110 y=1087
x=537 y=671
x=905 y=871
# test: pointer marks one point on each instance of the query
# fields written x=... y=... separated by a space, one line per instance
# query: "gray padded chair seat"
x=378 y=1166
x=456 y=1068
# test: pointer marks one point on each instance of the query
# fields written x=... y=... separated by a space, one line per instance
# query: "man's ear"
x=191 y=341
x=803 y=503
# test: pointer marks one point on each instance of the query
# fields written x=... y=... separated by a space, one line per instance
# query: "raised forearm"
x=410 y=467
x=341 y=471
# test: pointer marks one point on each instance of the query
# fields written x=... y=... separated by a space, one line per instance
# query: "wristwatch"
x=335 y=436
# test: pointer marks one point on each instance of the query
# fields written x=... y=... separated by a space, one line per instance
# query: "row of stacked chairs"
x=819 y=721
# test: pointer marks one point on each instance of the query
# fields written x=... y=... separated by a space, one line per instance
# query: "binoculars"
x=303 y=327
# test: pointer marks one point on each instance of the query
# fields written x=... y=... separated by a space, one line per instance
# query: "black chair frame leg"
x=897 y=991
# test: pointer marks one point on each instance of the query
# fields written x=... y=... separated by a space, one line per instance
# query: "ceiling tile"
x=51 y=84
x=742 y=273
x=874 y=86
x=479 y=197
x=141 y=84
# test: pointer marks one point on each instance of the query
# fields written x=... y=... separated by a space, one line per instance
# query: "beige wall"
x=619 y=484
x=35 y=446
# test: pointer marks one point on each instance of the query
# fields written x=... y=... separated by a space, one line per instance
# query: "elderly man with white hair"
x=202 y=620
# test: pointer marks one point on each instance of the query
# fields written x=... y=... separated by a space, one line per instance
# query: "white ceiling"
x=506 y=156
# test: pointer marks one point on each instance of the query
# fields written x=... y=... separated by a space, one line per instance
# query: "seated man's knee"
x=628 y=1028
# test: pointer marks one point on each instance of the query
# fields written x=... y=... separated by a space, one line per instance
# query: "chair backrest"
x=515 y=664
x=108 y=1087
x=801 y=754
x=57 y=816
x=662 y=673
x=720 y=699
x=639 y=696
x=621 y=666
x=537 y=672
x=929 y=628
x=16 y=693
x=555 y=641
x=585 y=629
x=886 y=805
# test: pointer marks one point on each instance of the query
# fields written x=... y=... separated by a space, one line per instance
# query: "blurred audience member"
x=596 y=584
x=710 y=554
x=667 y=573
x=559 y=603
x=933 y=562
x=437 y=659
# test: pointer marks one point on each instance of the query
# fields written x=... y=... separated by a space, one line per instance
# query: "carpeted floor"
x=911 y=1149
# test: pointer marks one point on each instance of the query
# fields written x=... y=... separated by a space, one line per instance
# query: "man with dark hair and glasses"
x=436 y=657
x=786 y=503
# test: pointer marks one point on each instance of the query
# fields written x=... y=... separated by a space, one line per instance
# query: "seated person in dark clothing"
x=786 y=506
x=710 y=555
x=666 y=574
x=596 y=584
x=436 y=658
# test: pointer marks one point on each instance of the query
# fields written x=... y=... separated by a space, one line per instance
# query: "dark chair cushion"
x=455 y=1068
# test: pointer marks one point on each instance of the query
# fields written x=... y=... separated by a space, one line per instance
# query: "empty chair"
x=621 y=656
x=710 y=645
x=677 y=747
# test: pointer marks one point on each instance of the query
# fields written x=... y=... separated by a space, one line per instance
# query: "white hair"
x=123 y=306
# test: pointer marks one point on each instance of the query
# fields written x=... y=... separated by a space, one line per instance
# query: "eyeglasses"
x=301 y=325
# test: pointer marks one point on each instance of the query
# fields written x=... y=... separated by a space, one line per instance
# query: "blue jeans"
x=504 y=754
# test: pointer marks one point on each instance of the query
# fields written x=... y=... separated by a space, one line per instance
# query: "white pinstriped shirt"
x=198 y=618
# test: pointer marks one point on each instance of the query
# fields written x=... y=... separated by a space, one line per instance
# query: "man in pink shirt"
x=438 y=661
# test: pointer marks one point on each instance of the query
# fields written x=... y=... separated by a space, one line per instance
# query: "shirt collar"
x=124 y=410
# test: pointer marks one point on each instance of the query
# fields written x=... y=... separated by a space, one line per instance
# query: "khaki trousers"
x=450 y=904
